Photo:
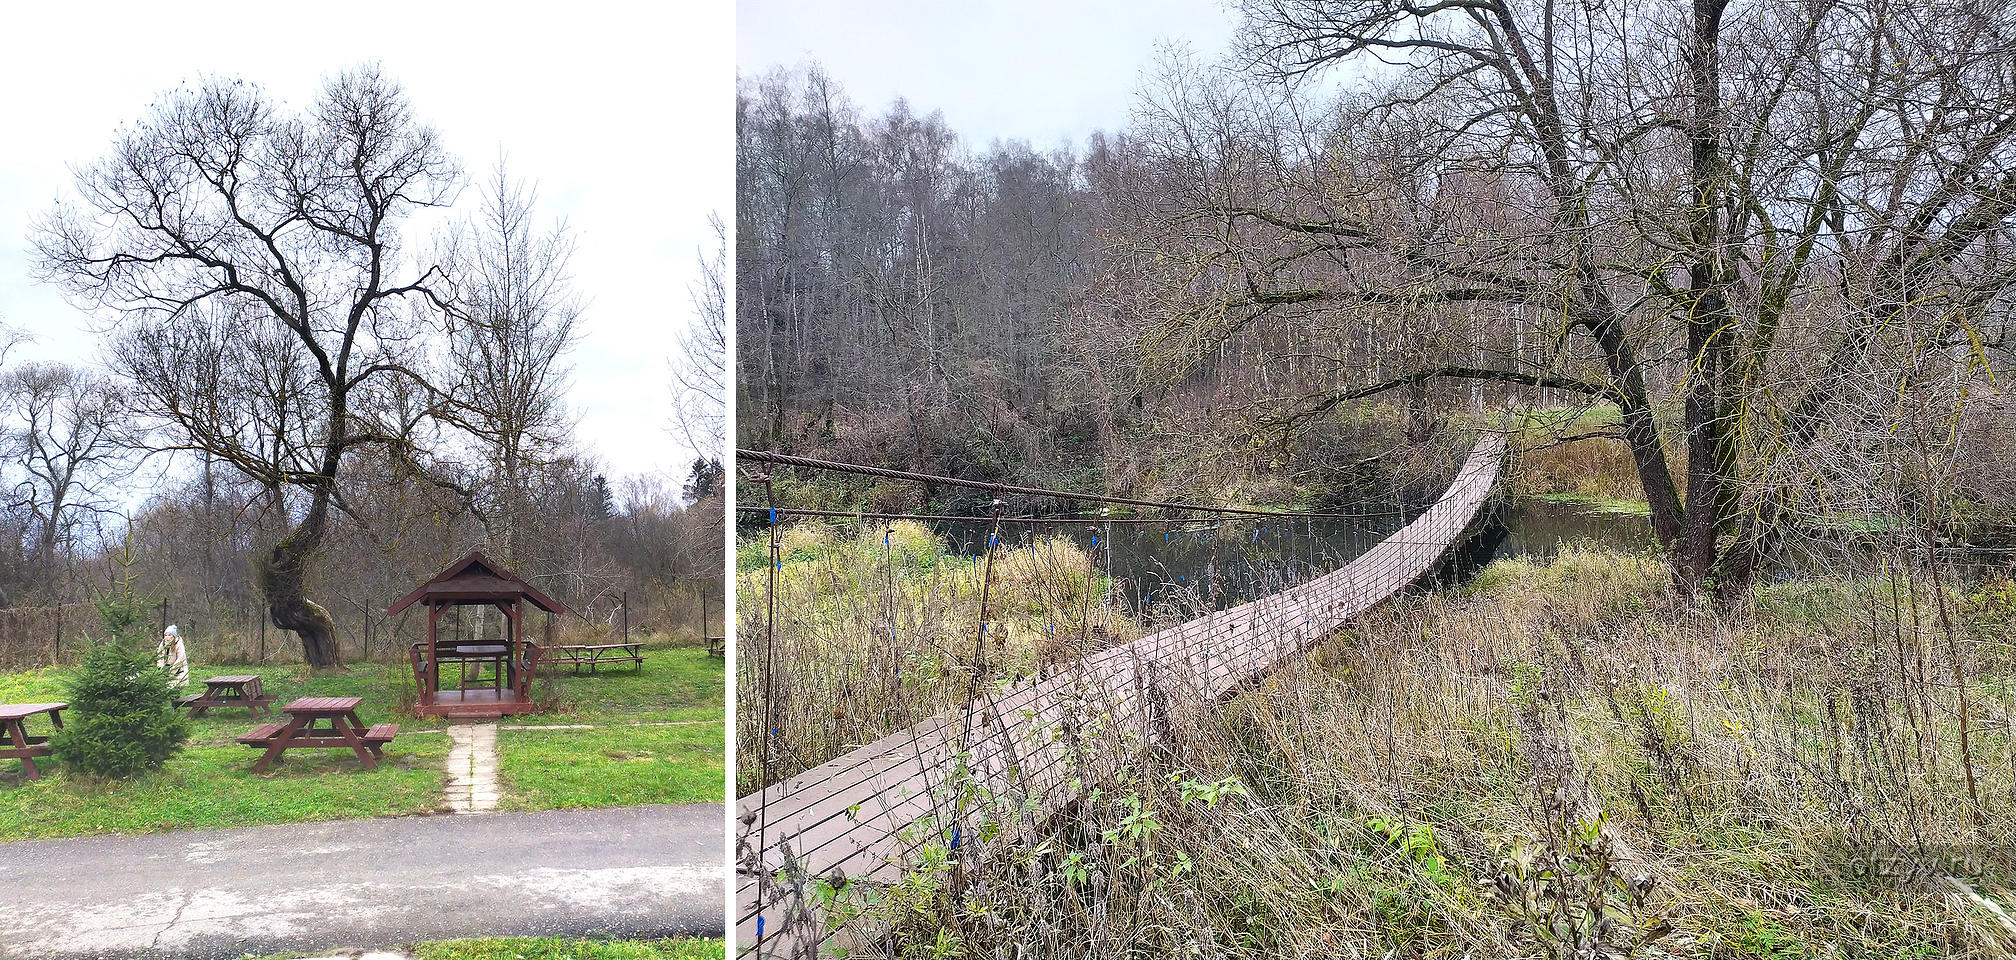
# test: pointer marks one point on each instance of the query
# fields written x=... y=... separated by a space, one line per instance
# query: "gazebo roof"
x=475 y=579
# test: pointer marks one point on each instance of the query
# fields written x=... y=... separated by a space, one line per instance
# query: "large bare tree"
x=265 y=310
x=1752 y=215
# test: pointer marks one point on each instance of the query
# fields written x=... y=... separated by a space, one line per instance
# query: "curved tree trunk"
x=283 y=582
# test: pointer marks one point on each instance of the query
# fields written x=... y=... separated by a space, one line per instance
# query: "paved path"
x=625 y=871
x=472 y=768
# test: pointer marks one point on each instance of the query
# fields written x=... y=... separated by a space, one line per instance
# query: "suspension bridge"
x=871 y=814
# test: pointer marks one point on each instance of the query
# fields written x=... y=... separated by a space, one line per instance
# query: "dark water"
x=1159 y=565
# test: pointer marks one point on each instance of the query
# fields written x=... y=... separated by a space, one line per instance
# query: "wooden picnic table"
x=497 y=655
x=595 y=654
x=321 y=722
x=236 y=690
x=16 y=744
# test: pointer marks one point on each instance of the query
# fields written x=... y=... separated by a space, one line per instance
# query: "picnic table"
x=595 y=654
x=321 y=722
x=497 y=655
x=717 y=646
x=16 y=744
x=237 y=690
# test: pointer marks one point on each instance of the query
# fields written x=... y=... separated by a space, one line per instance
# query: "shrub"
x=124 y=705
x=126 y=721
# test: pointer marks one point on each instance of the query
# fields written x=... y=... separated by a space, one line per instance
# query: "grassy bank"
x=1596 y=472
x=1560 y=760
x=644 y=735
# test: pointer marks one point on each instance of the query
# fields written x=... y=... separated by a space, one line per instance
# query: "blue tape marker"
x=759 y=926
x=773 y=515
x=955 y=838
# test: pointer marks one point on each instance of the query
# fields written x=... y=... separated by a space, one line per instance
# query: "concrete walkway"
x=472 y=768
x=361 y=884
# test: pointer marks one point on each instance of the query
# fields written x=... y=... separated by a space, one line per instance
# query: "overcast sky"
x=1044 y=71
x=623 y=116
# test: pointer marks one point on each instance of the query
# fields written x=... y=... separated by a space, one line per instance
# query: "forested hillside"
x=1265 y=288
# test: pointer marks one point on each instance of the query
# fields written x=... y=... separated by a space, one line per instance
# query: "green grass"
x=550 y=948
x=612 y=766
x=211 y=784
x=673 y=684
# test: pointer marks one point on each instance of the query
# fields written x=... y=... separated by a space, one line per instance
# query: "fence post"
x=164 y=617
x=56 y=651
x=626 y=616
x=262 y=634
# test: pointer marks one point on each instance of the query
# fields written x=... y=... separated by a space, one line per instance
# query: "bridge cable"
x=835 y=466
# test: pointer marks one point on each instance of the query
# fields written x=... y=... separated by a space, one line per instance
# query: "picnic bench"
x=717 y=646
x=594 y=655
x=237 y=690
x=16 y=744
x=321 y=722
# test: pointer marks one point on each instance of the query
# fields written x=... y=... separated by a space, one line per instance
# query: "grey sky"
x=623 y=117
x=1046 y=71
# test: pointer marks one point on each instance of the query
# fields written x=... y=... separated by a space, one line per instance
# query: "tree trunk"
x=283 y=582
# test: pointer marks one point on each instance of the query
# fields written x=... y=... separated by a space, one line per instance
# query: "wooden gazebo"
x=476 y=580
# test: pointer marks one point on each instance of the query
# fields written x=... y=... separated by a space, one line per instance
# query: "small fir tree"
x=126 y=723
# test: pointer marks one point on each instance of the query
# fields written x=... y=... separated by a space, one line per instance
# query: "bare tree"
x=700 y=368
x=69 y=434
x=1743 y=205
x=265 y=310
x=507 y=341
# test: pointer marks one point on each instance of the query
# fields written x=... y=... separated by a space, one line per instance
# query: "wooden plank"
x=861 y=815
x=22 y=711
x=323 y=705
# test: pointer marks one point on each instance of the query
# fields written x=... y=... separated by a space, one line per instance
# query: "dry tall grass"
x=1558 y=761
x=876 y=629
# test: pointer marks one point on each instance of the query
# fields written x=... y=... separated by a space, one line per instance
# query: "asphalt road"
x=618 y=872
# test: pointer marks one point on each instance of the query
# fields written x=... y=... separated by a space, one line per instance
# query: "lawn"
x=612 y=766
x=655 y=736
x=546 y=948
x=558 y=948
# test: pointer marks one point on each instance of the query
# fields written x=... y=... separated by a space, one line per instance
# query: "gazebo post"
x=433 y=678
x=510 y=611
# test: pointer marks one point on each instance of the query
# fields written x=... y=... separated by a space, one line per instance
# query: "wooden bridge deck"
x=864 y=815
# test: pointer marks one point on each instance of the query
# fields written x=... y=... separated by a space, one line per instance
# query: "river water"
x=1154 y=565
